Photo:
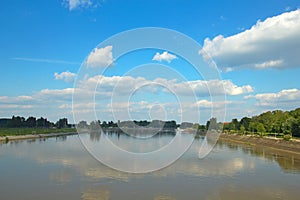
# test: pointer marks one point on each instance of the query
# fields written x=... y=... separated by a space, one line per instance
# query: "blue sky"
x=254 y=44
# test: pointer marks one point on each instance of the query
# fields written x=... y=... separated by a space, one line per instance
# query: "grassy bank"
x=32 y=131
x=263 y=134
x=292 y=146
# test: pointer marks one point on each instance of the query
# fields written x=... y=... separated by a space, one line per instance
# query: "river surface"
x=61 y=168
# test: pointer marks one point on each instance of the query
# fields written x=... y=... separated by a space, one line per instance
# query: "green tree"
x=235 y=124
x=231 y=126
x=260 y=128
x=31 y=122
x=42 y=122
x=202 y=127
x=104 y=124
x=170 y=124
x=245 y=121
x=242 y=129
x=295 y=127
x=252 y=127
x=295 y=113
x=16 y=122
x=62 y=123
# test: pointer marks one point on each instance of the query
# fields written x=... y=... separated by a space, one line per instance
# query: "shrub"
x=287 y=137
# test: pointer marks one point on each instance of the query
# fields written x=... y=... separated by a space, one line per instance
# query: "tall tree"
x=62 y=123
x=31 y=122
x=245 y=121
x=260 y=128
x=295 y=127
x=236 y=124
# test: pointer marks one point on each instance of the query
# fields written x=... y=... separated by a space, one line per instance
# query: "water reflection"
x=223 y=163
x=288 y=162
x=164 y=198
x=138 y=155
x=60 y=176
x=230 y=171
x=250 y=193
x=129 y=143
x=96 y=194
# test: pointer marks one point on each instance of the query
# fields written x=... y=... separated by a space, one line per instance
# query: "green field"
x=27 y=131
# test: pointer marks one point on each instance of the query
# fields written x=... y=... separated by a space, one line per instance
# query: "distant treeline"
x=32 y=122
x=133 y=124
x=268 y=123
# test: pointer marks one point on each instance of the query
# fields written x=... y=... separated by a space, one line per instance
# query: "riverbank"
x=291 y=146
x=34 y=136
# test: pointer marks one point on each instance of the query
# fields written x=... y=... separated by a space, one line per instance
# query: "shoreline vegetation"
x=8 y=134
x=32 y=131
x=6 y=139
x=273 y=128
x=18 y=128
x=289 y=146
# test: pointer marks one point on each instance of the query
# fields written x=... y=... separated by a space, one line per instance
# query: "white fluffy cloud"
x=127 y=84
x=272 y=43
x=165 y=56
x=285 y=98
x=65 y=76
x=75 y=4
x=100 y=57
x=119 y=88
x=213 y=87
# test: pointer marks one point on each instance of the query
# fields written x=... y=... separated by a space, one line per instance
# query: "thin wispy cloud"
x=46 y=60
x=80 y=4
x=223 y=18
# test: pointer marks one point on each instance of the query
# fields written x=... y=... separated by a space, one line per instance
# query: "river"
x=61 y=168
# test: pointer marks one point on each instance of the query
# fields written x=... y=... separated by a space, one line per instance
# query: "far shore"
x=34 y=136
x=291 y=146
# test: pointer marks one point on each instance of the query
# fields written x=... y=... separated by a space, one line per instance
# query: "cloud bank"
x=284 y=98
x=127 y=84
x=45 y=101
x=272 y=43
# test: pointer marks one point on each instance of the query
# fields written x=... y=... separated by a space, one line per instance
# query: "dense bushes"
x=268 y=123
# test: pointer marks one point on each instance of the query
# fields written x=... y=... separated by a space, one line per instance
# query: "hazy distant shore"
x=34 y=136
x=292 y=146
